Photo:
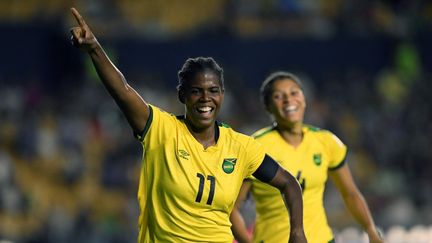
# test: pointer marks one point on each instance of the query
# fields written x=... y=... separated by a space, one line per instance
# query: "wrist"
x=95 y=48
x=297 y=235
x=296 y=225
x=372 y=231
x=297 y=231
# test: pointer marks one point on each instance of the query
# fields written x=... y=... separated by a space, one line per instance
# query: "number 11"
x=201 y=188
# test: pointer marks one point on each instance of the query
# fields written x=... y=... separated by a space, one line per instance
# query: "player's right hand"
x=82 y=36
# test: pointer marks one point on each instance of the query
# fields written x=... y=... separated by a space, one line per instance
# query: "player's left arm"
x=272 y=173
x=355 y=201
x=238 y=225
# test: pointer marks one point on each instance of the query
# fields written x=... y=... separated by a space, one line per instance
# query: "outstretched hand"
x=82 y=36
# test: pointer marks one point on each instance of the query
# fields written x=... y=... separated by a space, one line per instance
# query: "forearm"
x=357 y=206
x=130 y=102
x=110 y=76
x=291 y=192
x=238 y=227
x=294 y=203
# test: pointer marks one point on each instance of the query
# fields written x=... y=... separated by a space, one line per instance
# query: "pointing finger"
x=78 y=17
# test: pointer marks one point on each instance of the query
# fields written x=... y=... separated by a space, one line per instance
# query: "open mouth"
x=205 y=110
x=290 y=109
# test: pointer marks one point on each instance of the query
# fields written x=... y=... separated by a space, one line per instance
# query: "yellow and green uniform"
x=186 y=193
x=319 y=151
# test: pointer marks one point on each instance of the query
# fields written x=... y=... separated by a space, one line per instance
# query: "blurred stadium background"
x=69 y=164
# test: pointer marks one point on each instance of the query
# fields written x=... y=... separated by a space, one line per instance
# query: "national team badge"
x=317 y=159
x=228 y=165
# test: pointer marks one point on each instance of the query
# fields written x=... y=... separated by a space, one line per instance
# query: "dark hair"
x=192 y=66
x=266 y=87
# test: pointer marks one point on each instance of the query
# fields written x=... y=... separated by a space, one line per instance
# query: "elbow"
x=125 y=92
x=291 y=180
x=290 y=183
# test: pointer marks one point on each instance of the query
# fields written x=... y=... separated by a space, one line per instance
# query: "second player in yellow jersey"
x=319 y=152
x=310 y=154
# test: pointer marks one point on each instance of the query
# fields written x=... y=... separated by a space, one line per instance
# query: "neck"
x=292 y=134
x=205 y=136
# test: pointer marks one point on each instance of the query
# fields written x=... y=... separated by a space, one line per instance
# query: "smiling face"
x=287 y=103
x=203 y=97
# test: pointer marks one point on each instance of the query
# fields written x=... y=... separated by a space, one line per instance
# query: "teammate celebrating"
x=192 y=166
x=312 y=155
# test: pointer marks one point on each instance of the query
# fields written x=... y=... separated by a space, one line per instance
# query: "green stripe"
x=222 y=124
x=313 y=128
x=340 y=164
x=269 y=129
x=140 y=136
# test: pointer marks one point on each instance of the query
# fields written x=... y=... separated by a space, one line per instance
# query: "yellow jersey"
x=319 y=151
x=186 y=193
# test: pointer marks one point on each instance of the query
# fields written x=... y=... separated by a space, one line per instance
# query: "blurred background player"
x=192 y=166
x=310 y=153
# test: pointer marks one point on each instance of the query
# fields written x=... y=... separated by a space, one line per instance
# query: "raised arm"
x=270 y=172
x=238 y=227
x=355 y=202
x=130 y=102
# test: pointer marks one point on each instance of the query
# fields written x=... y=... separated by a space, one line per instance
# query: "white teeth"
x=290 y=108
x=204 y=109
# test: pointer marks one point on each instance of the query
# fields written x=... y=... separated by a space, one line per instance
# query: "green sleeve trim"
x=140 y=135
x=314 y=128
x=222 y=124
x=264 y=132
x=342 y=163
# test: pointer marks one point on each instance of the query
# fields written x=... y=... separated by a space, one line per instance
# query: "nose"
x=205 y=96
x=286 y=98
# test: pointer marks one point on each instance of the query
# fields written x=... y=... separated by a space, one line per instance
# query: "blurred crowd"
x=69 y=164
x=165 y=19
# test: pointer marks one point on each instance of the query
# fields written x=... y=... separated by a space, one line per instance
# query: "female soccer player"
x=309 y=153
x=192 y=166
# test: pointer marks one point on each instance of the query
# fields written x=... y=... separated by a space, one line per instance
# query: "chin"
x=204 y=123
x=291 y=121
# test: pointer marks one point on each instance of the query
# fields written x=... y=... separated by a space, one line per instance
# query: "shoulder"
x=263 y=132
x=316 y=131
x=322 y=135
x=163 y=116
x=233 y=135
x=159 y=110
x=161 y=120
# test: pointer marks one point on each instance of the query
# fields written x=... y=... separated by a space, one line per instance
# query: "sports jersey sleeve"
x=140 y=135
x=337 y=151
x=267 y=170
x=254 y=155
x=157 y=128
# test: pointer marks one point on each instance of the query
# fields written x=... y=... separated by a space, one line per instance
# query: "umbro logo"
x=183 y=154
